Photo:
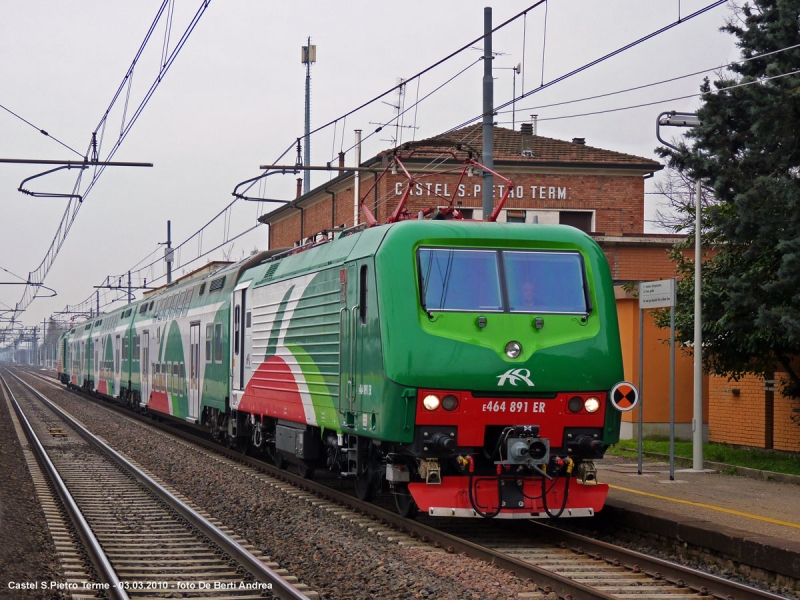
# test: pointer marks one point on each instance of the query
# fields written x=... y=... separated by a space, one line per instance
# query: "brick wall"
x=631 y=262
x=285 y=232
x=741 y=419
x=615 y=198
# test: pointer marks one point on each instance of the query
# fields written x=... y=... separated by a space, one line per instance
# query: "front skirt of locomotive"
x=519 y=497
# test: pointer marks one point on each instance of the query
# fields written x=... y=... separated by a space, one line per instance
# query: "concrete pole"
x=488 y=115
x=697 y=419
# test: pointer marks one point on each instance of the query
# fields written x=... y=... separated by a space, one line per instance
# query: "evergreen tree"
x=747 y=150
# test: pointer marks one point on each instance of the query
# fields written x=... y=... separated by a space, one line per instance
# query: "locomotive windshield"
x=502 y=280
x=450 y=279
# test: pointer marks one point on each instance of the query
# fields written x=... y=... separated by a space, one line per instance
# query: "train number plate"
x=514 y=406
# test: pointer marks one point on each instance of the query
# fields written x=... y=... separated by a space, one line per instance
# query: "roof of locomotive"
x=370 y=241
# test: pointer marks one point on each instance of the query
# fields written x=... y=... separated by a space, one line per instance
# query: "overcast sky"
x=234 y=99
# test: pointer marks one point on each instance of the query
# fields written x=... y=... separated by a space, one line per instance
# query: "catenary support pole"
x=488 y=115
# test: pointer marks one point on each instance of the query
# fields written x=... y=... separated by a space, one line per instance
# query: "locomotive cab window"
x=546 y=282
x=449 y=279
x=517 y=281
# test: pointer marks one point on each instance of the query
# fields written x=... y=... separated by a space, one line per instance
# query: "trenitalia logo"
x=514 y=375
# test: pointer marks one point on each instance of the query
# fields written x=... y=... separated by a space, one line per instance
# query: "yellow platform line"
x=708 y=506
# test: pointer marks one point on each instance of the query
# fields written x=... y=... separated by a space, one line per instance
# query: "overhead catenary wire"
x=656 y=102
x=544 y=41
x=415 y=106
x=655 y=83
x=38 y=275
x=343 y=117
x=431 y=67
x=40 y=130
x=594 y=62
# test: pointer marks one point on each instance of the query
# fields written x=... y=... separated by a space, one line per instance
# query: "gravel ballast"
x=334 y=556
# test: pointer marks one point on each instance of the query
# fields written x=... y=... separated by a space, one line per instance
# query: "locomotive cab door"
x=361 y=358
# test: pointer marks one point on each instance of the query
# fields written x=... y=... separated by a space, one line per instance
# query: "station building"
x=552 y=181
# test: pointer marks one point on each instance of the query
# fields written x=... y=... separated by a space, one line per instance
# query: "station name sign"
x=657 y=294
x=474 y=190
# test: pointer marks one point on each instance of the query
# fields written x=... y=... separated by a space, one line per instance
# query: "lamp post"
x=677 y=119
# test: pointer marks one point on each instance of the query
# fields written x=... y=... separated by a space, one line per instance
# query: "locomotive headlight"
x=449 y=402
x=513 y=349
x=592 y=404
x=575 y=404
x=431 y=402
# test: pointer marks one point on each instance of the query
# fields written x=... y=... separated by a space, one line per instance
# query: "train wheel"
x=279 y=460
x=404 y=501
x=367 y=485
x=306 y=472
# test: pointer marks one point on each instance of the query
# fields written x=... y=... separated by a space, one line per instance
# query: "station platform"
x=754 y=518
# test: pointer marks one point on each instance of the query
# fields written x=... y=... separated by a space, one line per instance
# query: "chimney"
x=299 y=187
x=341 y=163
x=579 y=141
x=526 y=129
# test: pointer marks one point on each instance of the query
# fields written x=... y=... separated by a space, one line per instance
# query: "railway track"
x=561 y=563
x=143 y=540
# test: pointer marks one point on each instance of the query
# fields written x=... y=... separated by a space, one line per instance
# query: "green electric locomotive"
x=466 y=367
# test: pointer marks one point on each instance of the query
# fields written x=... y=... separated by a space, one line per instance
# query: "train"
x=468 y=368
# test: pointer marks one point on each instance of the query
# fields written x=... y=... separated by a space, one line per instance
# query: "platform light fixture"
x=680 y=119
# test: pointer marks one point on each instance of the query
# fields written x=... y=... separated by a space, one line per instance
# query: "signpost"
x=658 y=294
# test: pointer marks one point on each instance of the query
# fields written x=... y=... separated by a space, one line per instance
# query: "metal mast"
x=488 y=115
x=309 y=57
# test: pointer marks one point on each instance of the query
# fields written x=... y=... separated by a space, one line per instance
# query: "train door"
x=240 y=370
x=96 y=371
x=117 y=364
x=194 y=370
x=145 y=367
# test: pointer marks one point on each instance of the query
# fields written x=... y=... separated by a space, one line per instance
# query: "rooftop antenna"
x=308 y=58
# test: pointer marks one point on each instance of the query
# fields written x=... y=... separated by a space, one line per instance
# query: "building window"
x=579 y=219
x=515 y=216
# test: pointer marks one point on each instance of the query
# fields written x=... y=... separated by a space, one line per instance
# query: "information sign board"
x=656 y=294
